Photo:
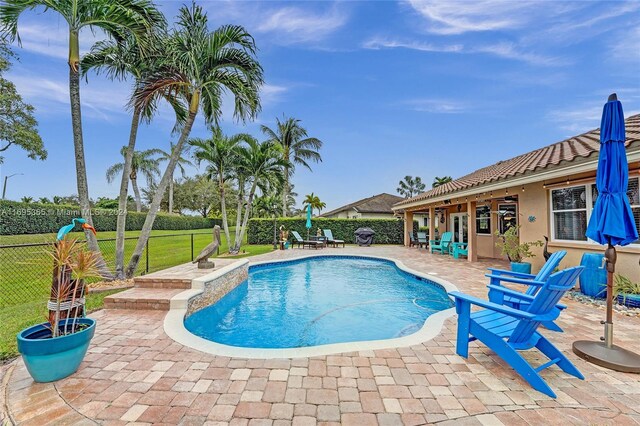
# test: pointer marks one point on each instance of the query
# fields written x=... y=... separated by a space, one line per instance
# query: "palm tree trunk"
x=122 y=199
x=285 y=191
x=78 y=144
x=236 y=244
x=223 y=209
x=171 y=195
x=247 y=212
x=162 y=187
x=136 y=193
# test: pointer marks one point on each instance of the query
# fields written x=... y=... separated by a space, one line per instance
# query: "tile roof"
x=568 y=150
x=380 y=203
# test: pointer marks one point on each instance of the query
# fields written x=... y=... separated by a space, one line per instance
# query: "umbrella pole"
x=611 y=258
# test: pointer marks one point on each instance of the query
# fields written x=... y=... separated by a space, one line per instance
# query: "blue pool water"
x=317 y=301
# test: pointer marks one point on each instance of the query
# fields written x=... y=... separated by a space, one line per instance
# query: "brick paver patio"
x=134 y=373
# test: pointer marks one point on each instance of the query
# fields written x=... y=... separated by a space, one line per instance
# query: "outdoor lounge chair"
x=534 y=282
x=460 y=249
x=506 y=330
x=330 y=239
x=303 y=243
x=444 y=245
x=422 y=239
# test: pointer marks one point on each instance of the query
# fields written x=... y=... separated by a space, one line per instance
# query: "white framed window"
x=571 y=208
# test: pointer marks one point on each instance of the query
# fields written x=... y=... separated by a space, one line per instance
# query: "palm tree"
x=197 y=67
x=141 y=162
x=314 y=201
x=297 y=149
x=122 y=59
x=221 y=154
x=44 y=200
x=263 y=166
x=410 y=186
x=115 y=17
x=27 y=199
x=182 y=161
x=437 y=181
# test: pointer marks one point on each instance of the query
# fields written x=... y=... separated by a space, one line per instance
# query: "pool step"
x=138 y=298
x=154 y=281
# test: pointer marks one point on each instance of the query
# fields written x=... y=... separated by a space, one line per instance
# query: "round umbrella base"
x=613 y=358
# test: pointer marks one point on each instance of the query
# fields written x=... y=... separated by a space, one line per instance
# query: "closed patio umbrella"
x=308 y=224
x=611 y=223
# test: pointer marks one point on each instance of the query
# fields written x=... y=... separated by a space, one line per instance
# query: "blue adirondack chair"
x=534 y=282
x=444 y=245
x=506 y=330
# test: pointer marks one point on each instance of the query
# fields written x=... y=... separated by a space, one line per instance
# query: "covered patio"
x=134 y=373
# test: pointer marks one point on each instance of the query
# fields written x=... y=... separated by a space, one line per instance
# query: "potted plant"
x=627 y=292
x=54 y=349
x=516 y=252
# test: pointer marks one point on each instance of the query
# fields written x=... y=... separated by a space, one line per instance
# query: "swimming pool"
x=318 y=301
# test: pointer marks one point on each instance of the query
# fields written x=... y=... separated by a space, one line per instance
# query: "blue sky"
x=422 y=88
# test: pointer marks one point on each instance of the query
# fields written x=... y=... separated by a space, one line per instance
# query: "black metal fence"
x=26 y=269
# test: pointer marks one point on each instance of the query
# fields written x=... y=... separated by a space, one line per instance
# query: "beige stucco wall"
x=535 y=201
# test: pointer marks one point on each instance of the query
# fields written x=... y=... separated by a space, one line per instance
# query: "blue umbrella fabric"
x=612 y=220
x=308 y=224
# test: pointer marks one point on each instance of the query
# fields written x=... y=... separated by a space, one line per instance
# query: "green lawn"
x=25 y=272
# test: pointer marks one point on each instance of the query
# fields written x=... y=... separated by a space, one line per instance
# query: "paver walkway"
x=134 y=373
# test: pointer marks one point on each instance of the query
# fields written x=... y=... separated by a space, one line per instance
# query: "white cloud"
x=438 y=106
x=458 y=17
x=505 y=50
x=53 y=41
x=380 y=43
x=587 y=116
x=295 y=25
x=51 y=96
x=271 y=93
x=510 y=50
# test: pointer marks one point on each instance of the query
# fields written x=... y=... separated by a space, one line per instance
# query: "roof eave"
x=590 y=163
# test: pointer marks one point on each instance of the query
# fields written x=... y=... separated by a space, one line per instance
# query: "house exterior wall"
x=535 y=201
x=534 y=217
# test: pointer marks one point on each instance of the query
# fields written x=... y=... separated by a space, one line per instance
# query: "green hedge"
x=32 y=218
x=388 y=231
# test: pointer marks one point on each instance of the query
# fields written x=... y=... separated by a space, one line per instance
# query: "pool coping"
x=175 y=329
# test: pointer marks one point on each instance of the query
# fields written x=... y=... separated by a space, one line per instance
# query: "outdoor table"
x=321 y=239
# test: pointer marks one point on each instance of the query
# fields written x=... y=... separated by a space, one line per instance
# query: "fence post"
x=147 y=256
x=192 y=247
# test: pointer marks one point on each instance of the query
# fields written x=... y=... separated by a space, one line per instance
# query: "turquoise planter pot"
x=50 y=359
x=593 y=280
x=522 y=267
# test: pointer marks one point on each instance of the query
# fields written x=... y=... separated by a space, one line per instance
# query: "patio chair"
x=330 y=239
x=534 y=282
x=412 y=240
x=444 y=245
x=460 y=249
x=422 y=239
x=303 y=243
x=506 y=330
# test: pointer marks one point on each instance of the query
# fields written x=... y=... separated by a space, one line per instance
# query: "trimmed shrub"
x=32 y=218
x=388 y=231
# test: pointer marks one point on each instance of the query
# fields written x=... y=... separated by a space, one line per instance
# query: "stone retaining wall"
x=217 y=287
